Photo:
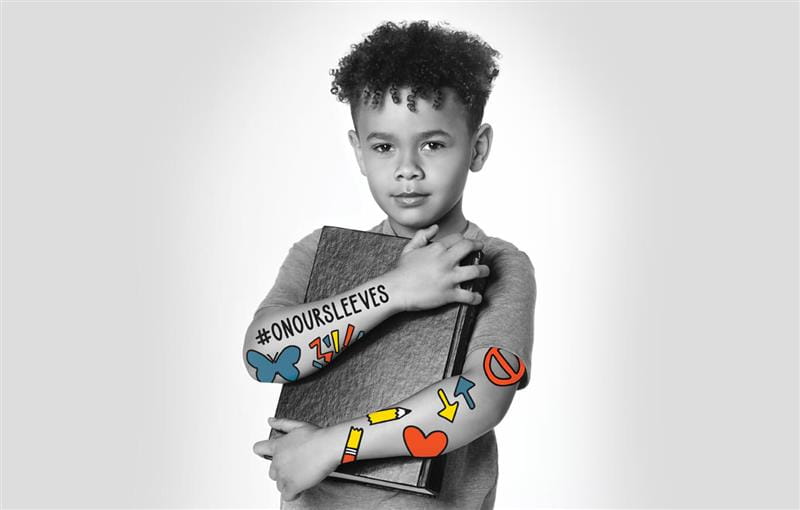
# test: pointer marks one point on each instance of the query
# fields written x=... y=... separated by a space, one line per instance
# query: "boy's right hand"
x=428 y=275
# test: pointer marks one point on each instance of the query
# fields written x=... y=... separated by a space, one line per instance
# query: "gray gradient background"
x=159 y=160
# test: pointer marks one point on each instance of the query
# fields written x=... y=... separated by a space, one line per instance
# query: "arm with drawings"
x=436 y=420
x=284 y=344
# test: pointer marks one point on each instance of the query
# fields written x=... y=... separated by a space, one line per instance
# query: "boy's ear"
x=481 y=147
x=356 y=144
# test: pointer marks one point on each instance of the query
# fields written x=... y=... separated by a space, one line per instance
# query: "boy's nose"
x=408 y=169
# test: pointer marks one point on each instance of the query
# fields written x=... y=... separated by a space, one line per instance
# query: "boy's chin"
x=412 y=221
x=417 y=218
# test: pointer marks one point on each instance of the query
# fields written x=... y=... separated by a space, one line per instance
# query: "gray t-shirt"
x=505 y=320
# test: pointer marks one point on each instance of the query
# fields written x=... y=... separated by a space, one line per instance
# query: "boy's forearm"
x=436 y=420
x=286 y=344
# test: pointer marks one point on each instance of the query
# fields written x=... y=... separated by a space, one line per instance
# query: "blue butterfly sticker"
x=267 y=368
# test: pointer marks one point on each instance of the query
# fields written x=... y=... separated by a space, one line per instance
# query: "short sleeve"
x=290 y=285
x=505 y=316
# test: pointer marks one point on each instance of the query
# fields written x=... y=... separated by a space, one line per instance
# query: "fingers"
x=285 y=424
x=467 y=297
x=471 y=272
x=421 y=238
x=265 y=447
x=286 y=493
x=291 y=496
x=450 y=240
x=281 y=483
x=461 y=248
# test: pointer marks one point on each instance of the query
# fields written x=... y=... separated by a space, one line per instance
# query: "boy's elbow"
x=260 y=369
x=254 y=332
x=263 y=369
x=492 y=414
x=498 y=402
x=248 y=348
x=501 y=410
x=250 y=370
x=251 y=357
x=248 y=345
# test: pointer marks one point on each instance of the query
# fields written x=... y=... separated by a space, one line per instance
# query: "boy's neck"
x=452 y=222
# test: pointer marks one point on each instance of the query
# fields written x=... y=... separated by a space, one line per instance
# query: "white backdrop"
x=159 y=159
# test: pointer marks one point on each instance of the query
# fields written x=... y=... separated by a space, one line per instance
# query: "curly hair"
x=423 y=58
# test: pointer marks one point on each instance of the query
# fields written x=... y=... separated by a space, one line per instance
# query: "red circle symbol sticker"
x=509 y=376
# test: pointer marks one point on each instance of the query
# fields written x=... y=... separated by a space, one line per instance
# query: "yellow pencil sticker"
x=352 y=445
x=384 y=415
x=448 y=412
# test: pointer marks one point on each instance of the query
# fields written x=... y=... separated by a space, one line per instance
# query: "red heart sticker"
x=420 y=445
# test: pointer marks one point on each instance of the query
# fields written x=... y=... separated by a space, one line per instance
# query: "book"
x=375 y=372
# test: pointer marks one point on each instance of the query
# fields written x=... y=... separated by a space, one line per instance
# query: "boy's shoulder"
x=495 y=245
x=497 y=250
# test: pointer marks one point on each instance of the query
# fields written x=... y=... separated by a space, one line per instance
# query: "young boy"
x=416 y=95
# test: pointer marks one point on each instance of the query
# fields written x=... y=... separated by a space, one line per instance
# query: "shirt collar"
x=473 y=231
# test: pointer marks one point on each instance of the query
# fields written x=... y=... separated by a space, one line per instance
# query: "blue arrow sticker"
x=462 y=388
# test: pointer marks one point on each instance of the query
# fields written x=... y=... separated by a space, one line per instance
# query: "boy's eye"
x=434 y=146
x=382 y=147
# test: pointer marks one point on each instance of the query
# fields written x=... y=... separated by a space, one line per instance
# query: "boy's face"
x=417 y=163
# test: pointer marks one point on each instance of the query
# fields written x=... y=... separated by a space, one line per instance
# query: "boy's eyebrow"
x=435 y=132
x=378 y=134
x=424 y=134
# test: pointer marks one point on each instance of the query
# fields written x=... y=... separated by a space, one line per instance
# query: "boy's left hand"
x=301 y=458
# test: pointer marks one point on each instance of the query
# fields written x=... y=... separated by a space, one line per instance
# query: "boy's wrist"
x=328 y=446
x=398 y=300
x=342 y=441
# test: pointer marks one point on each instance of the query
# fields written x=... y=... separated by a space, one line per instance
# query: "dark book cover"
x=376 y=371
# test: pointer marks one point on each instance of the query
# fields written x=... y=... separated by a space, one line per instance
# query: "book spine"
x=432 y=471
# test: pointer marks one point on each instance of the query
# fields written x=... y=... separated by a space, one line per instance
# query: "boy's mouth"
x=411 y=194
x=410 y=199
